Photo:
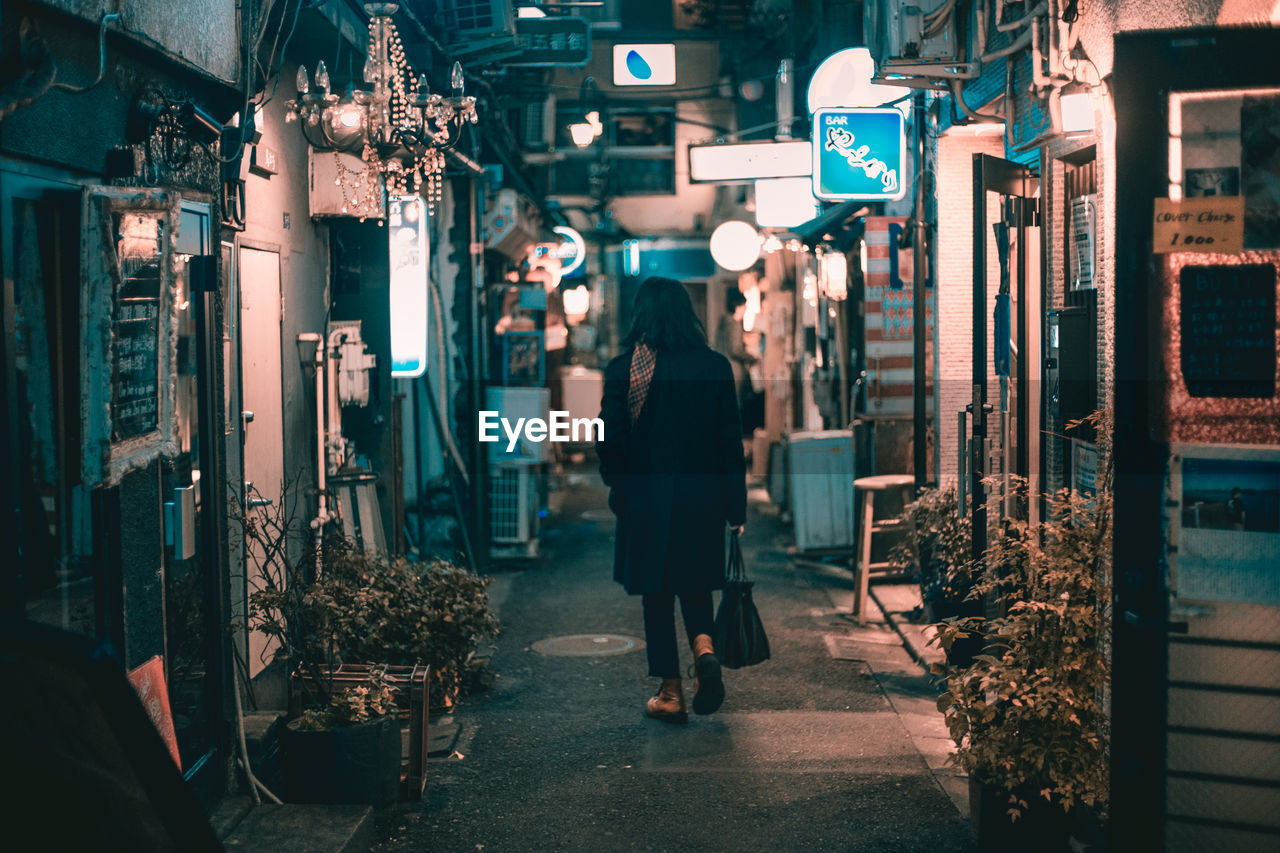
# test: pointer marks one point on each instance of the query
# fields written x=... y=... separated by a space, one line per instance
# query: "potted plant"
x=325 y=603
x=938 y=547
x=347 y=752
x=399 y=611
x=1028 y=716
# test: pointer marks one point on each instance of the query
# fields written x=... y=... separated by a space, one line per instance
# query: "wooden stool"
x=862 y=565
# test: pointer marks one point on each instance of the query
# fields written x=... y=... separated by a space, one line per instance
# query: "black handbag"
x=739 y=634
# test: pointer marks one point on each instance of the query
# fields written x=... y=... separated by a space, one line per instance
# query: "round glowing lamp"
x=583 y=134
x=577 y=302
x=735 y=245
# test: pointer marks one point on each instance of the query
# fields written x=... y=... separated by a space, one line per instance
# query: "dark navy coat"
x=677 y=475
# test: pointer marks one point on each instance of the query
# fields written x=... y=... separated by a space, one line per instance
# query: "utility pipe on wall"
x=318 y=362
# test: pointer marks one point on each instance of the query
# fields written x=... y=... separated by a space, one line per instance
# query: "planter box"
x=359 y=763
x=1042 y=827
x=410 y=686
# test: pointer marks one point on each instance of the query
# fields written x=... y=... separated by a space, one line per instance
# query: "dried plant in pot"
x=405 y=612
x=323 y=604
x=1028 y=715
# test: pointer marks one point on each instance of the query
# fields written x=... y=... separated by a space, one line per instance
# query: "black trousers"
x=660 y=628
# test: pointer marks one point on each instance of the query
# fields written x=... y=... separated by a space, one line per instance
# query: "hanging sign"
x=859 y=154
x=407 y=234
x=552 y=41
x=1210 y=224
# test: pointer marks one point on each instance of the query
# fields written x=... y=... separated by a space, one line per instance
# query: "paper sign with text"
x=1211 y=224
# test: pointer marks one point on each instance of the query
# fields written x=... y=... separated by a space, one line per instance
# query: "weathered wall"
x=205 y=33
x=277 y=215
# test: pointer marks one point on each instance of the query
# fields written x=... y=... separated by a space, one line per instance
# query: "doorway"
x=262 y=407
x=1196 y=646
x=1003 y=416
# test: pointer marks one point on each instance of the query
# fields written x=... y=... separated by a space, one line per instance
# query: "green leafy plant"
x=359 y=703
x=1029 y=714
x=937 y=545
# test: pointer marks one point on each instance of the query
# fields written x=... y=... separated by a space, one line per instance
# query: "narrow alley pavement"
x=820 y=748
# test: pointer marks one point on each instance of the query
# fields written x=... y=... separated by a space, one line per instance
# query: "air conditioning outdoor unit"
x=538 y=125
x=513 y=510
x=911 y=49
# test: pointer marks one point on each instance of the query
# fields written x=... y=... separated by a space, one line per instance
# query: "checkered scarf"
x=642 y=363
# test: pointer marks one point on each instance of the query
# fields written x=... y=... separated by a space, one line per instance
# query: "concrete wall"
x=277 y=215
x=205 y=34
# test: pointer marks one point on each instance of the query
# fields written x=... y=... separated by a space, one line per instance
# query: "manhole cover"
x=598 y=515
x=588 y=645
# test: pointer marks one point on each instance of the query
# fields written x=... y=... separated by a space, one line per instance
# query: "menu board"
x=135 y=328
x=135 y=399
x=1228 y=330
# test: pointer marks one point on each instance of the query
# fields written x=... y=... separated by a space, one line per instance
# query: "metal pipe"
x=979 y=357
x=322 y=508
x=962 y=451
x=1013 y=47
x=479 y=480
x=919 y=327
x=958 y=98
x=1029 y=17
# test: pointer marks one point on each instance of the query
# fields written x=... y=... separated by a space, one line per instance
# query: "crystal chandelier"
x=399 y=127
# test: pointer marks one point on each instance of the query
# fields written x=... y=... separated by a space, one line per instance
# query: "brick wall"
x=953 y=248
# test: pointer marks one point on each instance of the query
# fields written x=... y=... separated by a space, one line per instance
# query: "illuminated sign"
x=749 y=161
x=785 y=202
x=844 y=80
x=572 y=252
x=407 y=235
x=859 y=154
x=644 y=65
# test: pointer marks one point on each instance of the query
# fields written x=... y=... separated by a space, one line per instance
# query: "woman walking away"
x=672 y=458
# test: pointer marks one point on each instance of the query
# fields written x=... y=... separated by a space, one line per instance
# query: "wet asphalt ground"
x=807 y=752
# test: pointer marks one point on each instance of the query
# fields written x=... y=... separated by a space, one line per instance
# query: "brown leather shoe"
x=708 y=683
x=668 y=704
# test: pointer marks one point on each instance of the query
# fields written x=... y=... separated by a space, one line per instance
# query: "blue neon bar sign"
x=859 y=154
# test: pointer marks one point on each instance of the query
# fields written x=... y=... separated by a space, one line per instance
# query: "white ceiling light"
x=735 y=245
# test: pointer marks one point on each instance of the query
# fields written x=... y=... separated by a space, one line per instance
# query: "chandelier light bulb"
x=322 y=78
x=304 y=85
x=456 y=79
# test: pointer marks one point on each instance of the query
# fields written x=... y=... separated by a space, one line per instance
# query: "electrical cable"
x=255 y=785
x=102 y=58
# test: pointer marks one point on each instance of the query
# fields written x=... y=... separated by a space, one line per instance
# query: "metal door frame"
x=1148 y=67
x=994 y=174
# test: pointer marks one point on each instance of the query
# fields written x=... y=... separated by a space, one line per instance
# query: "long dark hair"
x=663 y=317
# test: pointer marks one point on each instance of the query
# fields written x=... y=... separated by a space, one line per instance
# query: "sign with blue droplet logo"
x=644 y=65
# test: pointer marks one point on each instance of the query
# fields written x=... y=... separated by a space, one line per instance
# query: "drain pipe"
x=318 y=362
